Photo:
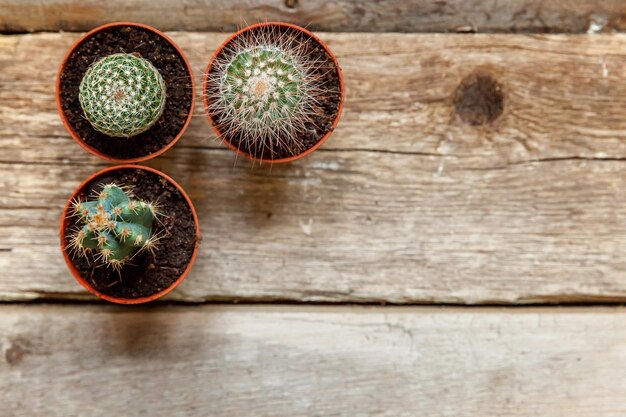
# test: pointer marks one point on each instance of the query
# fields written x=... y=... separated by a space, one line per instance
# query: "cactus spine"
x=122 y=95
x=264 y=89
x=113 y=227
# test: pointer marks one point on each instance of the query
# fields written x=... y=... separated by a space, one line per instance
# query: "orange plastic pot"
x=70 y=264
x=342 y=88
x=77 y=138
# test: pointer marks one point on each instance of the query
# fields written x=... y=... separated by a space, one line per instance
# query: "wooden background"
x=475 y=181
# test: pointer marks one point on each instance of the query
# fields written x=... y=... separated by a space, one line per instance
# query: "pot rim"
x=70 y=129
x=74 y=270
x=342 y=89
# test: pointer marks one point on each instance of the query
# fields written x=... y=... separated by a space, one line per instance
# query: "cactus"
x=264 y=89
x=122 y=95
x=113 y=227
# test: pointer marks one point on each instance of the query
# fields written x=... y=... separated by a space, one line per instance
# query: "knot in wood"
x=478 y=99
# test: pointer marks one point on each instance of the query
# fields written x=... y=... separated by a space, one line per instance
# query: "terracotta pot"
x=341 y=87
x=74 y=270
x=77 y=138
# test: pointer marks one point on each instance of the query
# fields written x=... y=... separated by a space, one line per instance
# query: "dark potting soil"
x=322 y=122
x=149 y=45
x=147 y=273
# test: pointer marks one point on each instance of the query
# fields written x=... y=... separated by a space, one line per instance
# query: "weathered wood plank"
x=323 y=361
x=342 y=15
x=563 y=95
x=406 y=203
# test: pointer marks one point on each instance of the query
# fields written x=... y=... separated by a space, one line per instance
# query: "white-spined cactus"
x=264 y=89
x=122 y=95
x=113 y=227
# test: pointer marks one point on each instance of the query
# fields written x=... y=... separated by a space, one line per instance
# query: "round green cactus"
x=122 y=95
x=266 y=90
x=113 y=227
x=263 y=85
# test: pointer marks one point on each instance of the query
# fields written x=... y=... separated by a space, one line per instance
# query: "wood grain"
x=406 y=203
x=322 y=361
x=575 y=16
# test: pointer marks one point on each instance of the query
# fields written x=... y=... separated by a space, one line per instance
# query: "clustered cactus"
x=113 y=227
x=122 y=95
x=265 y=89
